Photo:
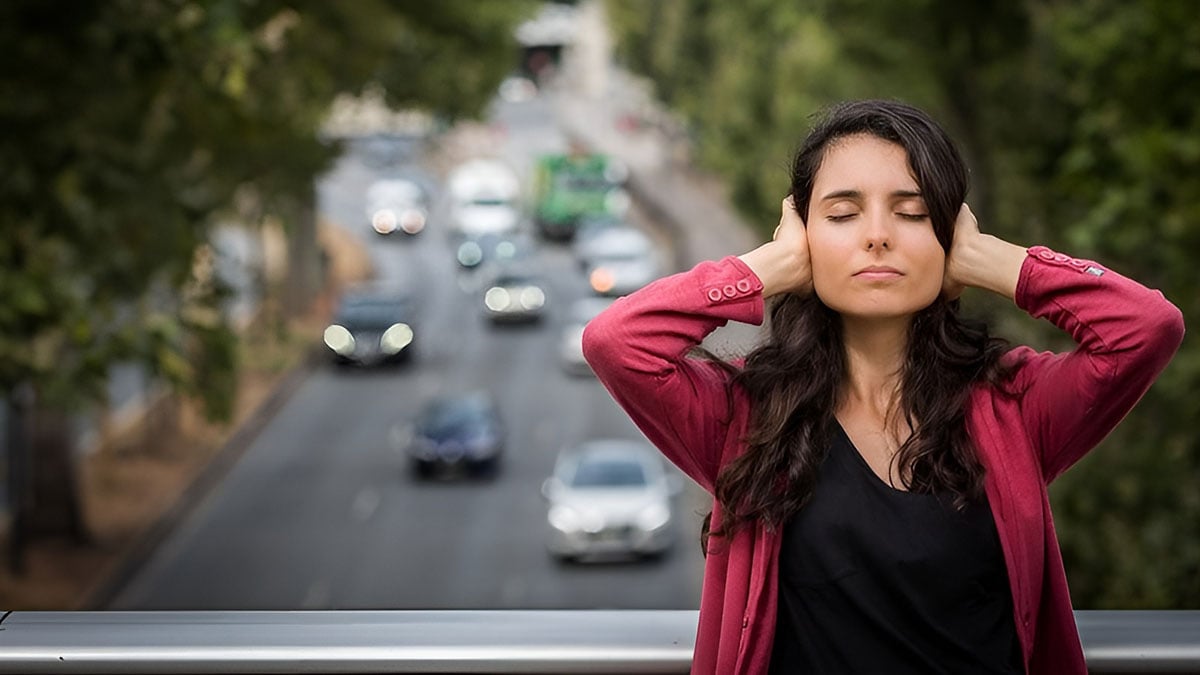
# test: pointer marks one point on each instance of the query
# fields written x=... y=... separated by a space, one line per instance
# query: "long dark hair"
x=794 y=379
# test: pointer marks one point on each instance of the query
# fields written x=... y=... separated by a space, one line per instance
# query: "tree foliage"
x=1081 y=123
x=132 y=125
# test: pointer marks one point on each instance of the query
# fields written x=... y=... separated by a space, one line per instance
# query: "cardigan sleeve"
x=1125 y=334
x=639 y=346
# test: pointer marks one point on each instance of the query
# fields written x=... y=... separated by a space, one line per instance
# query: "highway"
x=321 y=512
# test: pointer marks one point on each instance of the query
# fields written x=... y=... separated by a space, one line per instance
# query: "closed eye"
x=840 y=218
x=914 y=216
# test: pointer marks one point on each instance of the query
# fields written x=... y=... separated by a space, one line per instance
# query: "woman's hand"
x=966 y=231
x=980 y=260
x=782 y=264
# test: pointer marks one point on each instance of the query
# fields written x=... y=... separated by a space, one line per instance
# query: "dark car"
x=457 y=434
x=491 y=248
x=372 y=325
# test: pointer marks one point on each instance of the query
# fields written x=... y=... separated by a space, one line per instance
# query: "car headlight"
x=422 y=448
x=412 y=221
x=564 y=519
x=506 y=250
x=532 y=297
x=497 y=299
x=653 y=517
x=339 y=339
x=469 y=254
x=384 y=221
x=396 y=337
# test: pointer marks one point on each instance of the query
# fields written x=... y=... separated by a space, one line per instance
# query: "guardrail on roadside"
x=506 y=641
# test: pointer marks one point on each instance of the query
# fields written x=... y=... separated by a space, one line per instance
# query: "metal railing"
x=509 y=641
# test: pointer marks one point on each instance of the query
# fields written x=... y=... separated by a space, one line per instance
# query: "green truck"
x=576 y=186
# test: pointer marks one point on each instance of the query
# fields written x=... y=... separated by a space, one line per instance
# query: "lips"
x=879 y=272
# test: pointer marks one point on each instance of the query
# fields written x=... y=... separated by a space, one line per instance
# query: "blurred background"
x=291 y=292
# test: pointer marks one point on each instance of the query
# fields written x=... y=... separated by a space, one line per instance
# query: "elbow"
x=1172 y=328
x=1162 y=336
x=598 y=343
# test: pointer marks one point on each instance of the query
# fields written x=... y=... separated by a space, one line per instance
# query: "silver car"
x=610 y=497
x=619 y=260
x=514 y=294
x=397 y=205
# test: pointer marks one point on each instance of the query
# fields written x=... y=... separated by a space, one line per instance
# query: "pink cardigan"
x=1059 y=406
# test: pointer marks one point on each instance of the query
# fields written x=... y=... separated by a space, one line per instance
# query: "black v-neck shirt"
x=878 y=580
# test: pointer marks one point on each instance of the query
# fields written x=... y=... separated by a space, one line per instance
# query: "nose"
x=878 y=233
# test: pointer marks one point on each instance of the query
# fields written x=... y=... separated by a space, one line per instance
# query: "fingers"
x=787 y=217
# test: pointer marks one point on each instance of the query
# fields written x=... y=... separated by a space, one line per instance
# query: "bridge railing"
x=506 y=641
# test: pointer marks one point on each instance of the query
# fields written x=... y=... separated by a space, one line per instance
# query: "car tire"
x=422 y=470
x=566 y=559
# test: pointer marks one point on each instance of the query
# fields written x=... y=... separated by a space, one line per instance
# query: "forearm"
x=777 y=267
x=990 y=263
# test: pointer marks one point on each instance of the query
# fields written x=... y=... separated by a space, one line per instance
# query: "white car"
x=484 y=198
x=571 y=342
x=397 y=205
x=610 y=497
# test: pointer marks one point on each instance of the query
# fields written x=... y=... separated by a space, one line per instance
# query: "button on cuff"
x=714 y=294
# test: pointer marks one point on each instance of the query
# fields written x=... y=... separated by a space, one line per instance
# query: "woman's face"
x=871 y=242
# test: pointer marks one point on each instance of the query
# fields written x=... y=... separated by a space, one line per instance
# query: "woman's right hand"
x=782 y=264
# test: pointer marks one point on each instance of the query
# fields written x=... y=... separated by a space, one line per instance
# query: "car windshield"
x=489 y=201
x=512 y=280
x=606 y=473
x=582 y=182
x=447 y=417
x=370 y=312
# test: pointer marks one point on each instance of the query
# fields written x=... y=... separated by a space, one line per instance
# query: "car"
x=575 y=185
x=514 y=294
x=619 y=260
x=571 y=342
x=457 y=434
x=372 y=325
x=397 y=205
x=610 y=497
x=483 y=250
x=484 y=198
x=517 y=89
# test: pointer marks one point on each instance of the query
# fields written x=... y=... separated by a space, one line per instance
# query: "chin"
x=877 y=308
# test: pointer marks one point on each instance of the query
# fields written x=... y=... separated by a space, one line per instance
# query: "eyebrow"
x=857 y=194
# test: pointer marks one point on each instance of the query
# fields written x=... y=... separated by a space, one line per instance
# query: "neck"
x=875 y=352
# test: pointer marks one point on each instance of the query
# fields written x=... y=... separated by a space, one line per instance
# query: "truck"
x=572 y=187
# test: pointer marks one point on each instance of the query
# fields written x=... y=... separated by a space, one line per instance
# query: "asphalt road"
x=321 y=513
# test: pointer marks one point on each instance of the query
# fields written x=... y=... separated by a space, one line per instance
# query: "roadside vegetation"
x=1080 y=124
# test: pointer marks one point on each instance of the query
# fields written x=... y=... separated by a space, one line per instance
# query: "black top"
x=878 y=580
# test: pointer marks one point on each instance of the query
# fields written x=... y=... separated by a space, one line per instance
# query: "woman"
x=879 y=463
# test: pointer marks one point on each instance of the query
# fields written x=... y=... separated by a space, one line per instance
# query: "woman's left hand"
x=980 y=260
x=966 y=231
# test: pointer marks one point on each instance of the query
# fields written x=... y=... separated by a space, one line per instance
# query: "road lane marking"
x=365 y=504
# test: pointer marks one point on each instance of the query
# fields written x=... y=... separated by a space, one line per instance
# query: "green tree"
x=132 y=126
x=1081 y=126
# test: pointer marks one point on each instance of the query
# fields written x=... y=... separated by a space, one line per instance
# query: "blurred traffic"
x=489 y=256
